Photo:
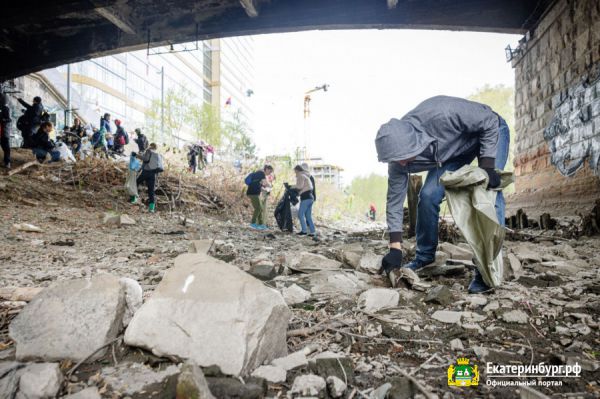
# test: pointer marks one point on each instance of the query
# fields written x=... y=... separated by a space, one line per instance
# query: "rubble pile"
x=103 y=301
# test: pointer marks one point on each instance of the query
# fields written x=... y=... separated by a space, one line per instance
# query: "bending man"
x=442 y=133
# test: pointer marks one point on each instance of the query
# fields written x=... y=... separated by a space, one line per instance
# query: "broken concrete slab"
x=248 y=320
x=440 y=295
x=336 y=387
x=308 y=262
x=272 y=374
x=514 y=265
x=455 y=252
x=447 y=316
x=456 y=345
x=10 y=373
x=264 y=271
x=370 y=263
x=308 y=385
x=337 y=282
x=70 y=319
x=526 y=254
x=191 y=383
x=25 y=294
x=291 y=361
x=295 y=294
x=39 y=381
x=376 y=299
x=87 y=393
x=139 y=379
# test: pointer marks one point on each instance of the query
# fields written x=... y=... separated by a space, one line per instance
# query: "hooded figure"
x=441 y=134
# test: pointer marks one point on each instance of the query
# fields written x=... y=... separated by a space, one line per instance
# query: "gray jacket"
x=150 y=160
x=439 y=129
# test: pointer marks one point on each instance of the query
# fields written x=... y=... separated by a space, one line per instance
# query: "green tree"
x=205 y=121
x=237 y=135
x=176 y=115
x=366 y=190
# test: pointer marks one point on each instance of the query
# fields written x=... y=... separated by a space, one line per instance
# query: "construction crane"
x=307 y=98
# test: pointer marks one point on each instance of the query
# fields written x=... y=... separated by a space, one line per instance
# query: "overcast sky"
x=373 y=76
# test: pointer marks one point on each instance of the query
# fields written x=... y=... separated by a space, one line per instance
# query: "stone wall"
x=557 y=100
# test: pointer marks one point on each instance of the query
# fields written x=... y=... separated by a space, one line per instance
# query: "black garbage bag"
x=283 y=210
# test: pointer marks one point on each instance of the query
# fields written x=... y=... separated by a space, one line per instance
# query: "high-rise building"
x=143 y=88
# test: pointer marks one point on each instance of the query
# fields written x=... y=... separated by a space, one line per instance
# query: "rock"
x=407 y=276
x=19 y=293
x=477 y=300
x=291 y=361
x=440 y=295
x=447 y=316
x=526 y=392
x=40 y=380
x=401 y=388
x=126 y=220
x=144 y=250
x=10 y=373
x=340 y=367
x=308 y=385
x=264 y=271
x=200 y=246
x=70 y=319
x=456 y=345
x=111 y=218
x=30 y=228
x=224 y=251
x=376 y=299
x=222 y=387
x=272 y=374
x=514 y=265
x=370 y=263
x=381 y=392
x=336 y=282
x=309 y=262
x=336 y=387
x=455 y=252
x=526 y=255
x=515 y=316
x=444 y=270
x=295 y=294
x=567 y=267
x=191 y=383
x=136 y=378
x=248 y=321
x=87 y=393
x=133 y=298
x=440 y=258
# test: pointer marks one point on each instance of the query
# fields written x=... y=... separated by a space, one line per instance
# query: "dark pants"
x=5 y=143
x=432 y=194
x=150 y=178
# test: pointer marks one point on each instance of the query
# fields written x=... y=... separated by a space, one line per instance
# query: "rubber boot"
x=132 y=199
x=151 y=207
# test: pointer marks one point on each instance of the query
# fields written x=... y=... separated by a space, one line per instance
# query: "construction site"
x=452 y=290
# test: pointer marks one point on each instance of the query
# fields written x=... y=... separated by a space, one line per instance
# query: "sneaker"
x=254 y=226
x=262 y=227
x=301 y=233
x=478 y=286
x=416 y=264
x=152 y=207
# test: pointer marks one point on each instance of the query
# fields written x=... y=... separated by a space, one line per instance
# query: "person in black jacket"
x=5 y=130
x=141 y=140
x=32 y=119
x=42 y=145
x=257 y=182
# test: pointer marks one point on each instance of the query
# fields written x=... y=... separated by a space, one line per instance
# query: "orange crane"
x=307 y=98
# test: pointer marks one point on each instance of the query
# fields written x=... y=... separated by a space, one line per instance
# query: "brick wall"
x=557 y=121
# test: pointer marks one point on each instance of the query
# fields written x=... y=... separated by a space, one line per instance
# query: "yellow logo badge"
x=463 y=374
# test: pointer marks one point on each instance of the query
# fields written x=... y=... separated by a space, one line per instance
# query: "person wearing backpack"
x=5 y=130
x=30 y=121
x=99 y=141
x=256 y=181
x=121 y=137
x=152 y=164
x=141 y=140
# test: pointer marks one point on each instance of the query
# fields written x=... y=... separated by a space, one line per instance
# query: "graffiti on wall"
x=573 y=135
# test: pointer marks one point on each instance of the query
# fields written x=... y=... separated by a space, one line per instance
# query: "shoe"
x=152 y=207
x=262 y=227
x=416 y=264
x=301 y=233
x=312 y=234
x=254 y=226
x=478 y=286
x=7 y=166
x=133 y=199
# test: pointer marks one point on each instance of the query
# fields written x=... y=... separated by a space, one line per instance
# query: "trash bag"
x=473 y=210
x=131 y=183
x=283 y=211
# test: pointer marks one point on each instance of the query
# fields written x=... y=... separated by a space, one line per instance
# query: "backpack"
x=22 y=123
x=96 y=137
x=160 y=167
x=249 y=179
x=121 y=139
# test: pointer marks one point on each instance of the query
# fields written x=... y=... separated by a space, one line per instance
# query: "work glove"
x=393 y=260
x=493 y=178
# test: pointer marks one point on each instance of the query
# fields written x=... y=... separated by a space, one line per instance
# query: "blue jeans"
x=305 y=215
x=432 y=194
x=40 y=154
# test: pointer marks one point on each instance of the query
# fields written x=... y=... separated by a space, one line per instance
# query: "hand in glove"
x=393 y=260
x=493 y=178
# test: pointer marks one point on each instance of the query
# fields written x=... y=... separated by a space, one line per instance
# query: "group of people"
x=39 y=135
x=197 y=155
x=260 y=184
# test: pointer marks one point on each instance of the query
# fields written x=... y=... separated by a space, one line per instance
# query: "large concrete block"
x=212 y=313
x=70 y=319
